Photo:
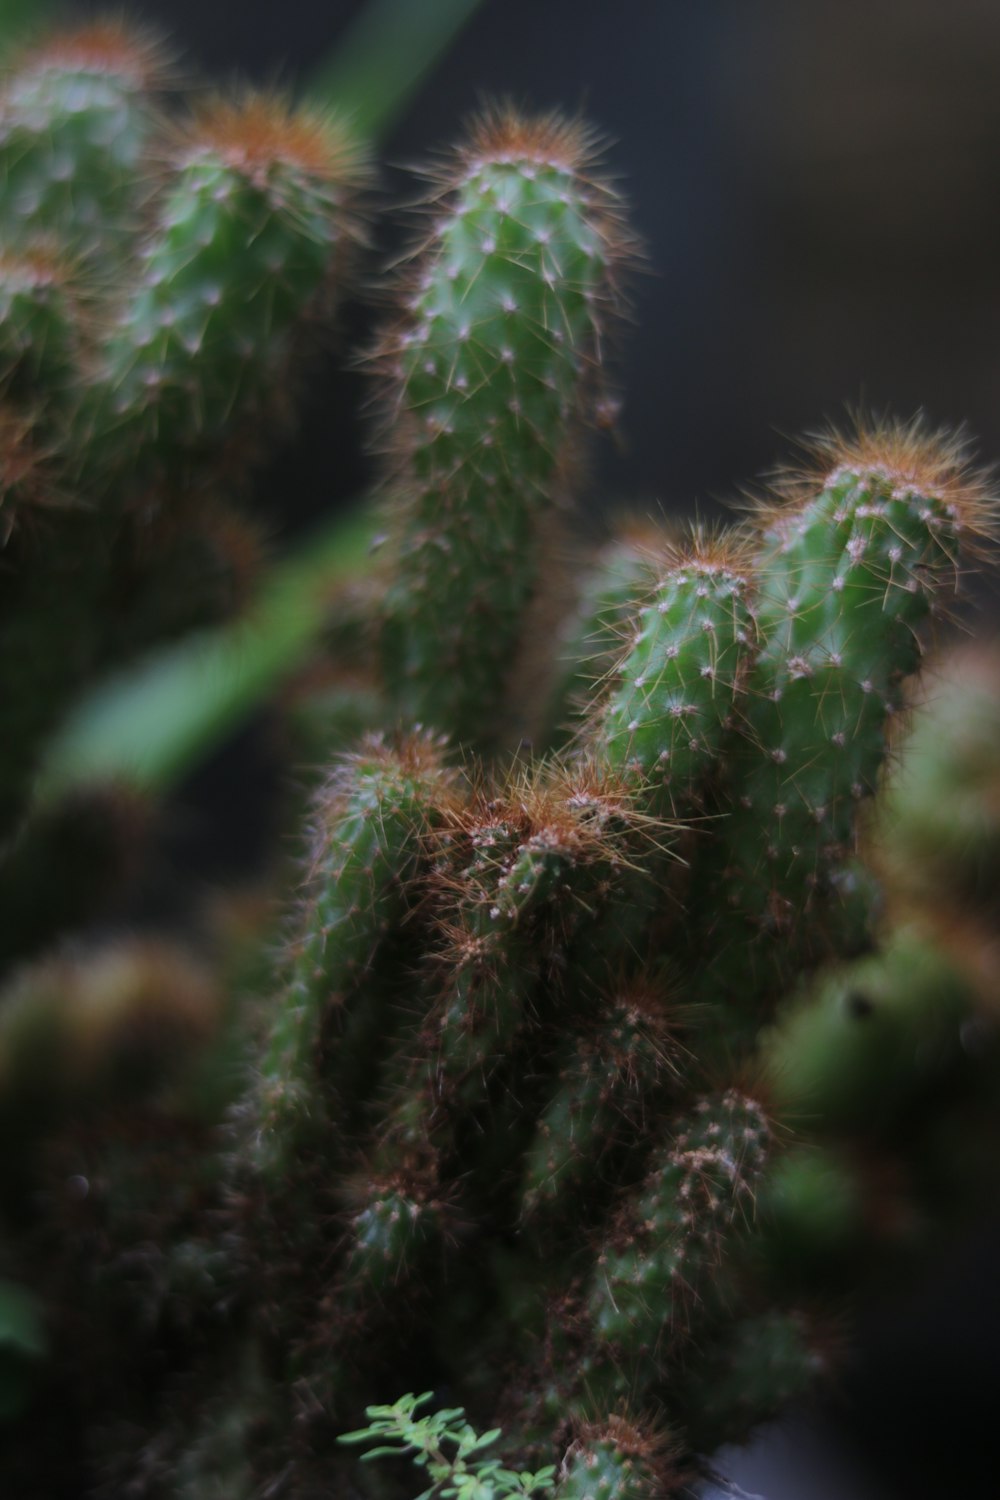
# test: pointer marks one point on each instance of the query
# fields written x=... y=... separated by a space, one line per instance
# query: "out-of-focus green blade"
x=18 y=16
x=152 y=723
x=385 y=56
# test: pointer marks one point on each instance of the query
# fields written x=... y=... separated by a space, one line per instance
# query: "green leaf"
x=150 y=725
x=386 y=55
x=485 y=1440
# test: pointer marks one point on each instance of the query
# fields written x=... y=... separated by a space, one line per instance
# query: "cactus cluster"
x=602 y=1014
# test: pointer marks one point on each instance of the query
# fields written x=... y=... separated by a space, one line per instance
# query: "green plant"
x=569 y=1083
x=397 y=1430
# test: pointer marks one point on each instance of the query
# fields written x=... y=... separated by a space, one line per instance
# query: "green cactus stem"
x=677 y=683
x=252 y=229
x=935 y=836
x=865 y=1039
x=372 y=821
x=491 y=371
x=40 y=329
x=512 y=888
x=661 y=728
x=609 y=598
x=607 y=1092
x=644 y=1297
x=619 y=1459
x=391 y=1234
x=850 y=565
x=76 y=121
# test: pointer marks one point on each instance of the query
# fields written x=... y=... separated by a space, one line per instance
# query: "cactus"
x=566 y=1082
x=491 y=369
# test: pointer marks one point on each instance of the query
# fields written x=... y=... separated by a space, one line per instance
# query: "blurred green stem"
x=386 y=55
x=154 y=722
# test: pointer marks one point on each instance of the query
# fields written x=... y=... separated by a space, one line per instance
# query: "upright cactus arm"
x=490 y=372
x=77 y=115
x=660 y=729
x=507 y=887
x=610 y=596
x=254 y=223
x=609 y=1087
x=850 y=567
x=678 y=681
x=644 y=1296
x=935 y=835
x=41 y=329
x=372 y=823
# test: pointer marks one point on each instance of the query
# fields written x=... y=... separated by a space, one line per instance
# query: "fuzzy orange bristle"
x=417 y=755
x=712 y=549
x=643 y=1439
x=110 y=45
x=256 y=131
x=38 y=265
x=501 y=132
x=578 y=804
x=908 y=455
x=709 y=550
x=416 y=1182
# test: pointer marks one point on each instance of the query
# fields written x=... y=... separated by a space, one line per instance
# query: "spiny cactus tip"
x=253 y=131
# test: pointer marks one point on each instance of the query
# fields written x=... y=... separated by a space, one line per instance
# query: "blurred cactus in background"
x=643 y=932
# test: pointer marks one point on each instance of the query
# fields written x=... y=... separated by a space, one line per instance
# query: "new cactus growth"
x=565 y=1086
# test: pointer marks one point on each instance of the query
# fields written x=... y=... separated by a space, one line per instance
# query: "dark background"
x=817 y=188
